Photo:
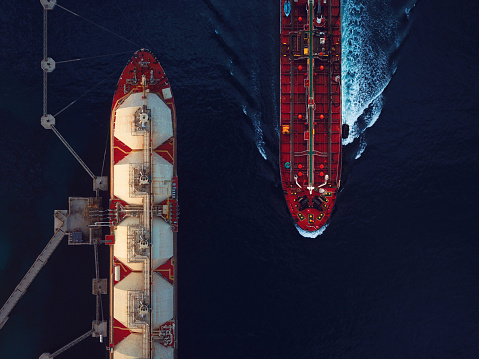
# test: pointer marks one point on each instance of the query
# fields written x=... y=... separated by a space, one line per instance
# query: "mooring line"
x=91 y=89
x=95 y=57
x=104 y=153
x=101 y=27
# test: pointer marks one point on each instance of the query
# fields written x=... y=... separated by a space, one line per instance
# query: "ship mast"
x=311 y=105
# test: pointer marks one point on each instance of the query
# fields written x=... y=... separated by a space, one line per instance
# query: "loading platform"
x=78 y=225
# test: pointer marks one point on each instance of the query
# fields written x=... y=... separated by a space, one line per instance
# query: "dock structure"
x=81 y=225
x=100 y=183
x=66 y=347
x=41 y=260
x=83 y=222
x=78 y=224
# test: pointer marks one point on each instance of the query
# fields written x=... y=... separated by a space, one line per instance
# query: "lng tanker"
x=144 y=213
x=310 y=115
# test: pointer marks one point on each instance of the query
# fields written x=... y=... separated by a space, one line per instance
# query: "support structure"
x=41 y=260
x=100 y=183
x=66 y=347
x=79 y=224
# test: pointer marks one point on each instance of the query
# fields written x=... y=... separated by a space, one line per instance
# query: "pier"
x=66 y=347
x=80 y=224
x=41 y=260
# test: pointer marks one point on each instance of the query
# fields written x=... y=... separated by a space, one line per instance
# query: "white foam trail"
x=365 y=70
x=314 y=234
x=259 y=139
x=407 y=10
x=371 y=32
x=229 y=66
x=376 y=106
x=256 y=117
x=362 y=147
x=374 y=109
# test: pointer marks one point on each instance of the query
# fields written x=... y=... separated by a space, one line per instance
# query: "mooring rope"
x=104 y=153
x=95 y=57
x=91 y=89
x=101 y=27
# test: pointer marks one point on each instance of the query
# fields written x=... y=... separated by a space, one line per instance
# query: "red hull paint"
x=143 y=62
x=310 y=117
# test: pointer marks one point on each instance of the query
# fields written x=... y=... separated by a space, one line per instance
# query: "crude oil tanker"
x=310 y=103
x=144 y=213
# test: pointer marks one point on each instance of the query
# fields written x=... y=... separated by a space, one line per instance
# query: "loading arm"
x=34 y=269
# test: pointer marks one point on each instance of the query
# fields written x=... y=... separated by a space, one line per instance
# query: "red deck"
x=310 y=133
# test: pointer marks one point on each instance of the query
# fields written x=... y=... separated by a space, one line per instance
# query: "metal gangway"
x=34 y=270
x=66 y=347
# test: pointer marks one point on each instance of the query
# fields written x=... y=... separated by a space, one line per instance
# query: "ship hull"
x=310 y=103
x=143 y=213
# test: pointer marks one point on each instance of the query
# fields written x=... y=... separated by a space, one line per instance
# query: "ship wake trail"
x=252 y=110
x=249 y=62
x=248 y=87
x=372 y=33
x=256 y=116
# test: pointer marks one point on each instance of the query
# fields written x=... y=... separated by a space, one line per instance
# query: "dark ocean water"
x=396 y=272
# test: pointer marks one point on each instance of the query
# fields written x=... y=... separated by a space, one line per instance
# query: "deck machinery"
x=144 y=213
x=310 y=115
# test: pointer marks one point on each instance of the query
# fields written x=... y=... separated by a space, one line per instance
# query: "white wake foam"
x=407 y=10
x=255 y=117
x=371 y=33
x=314 y=234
